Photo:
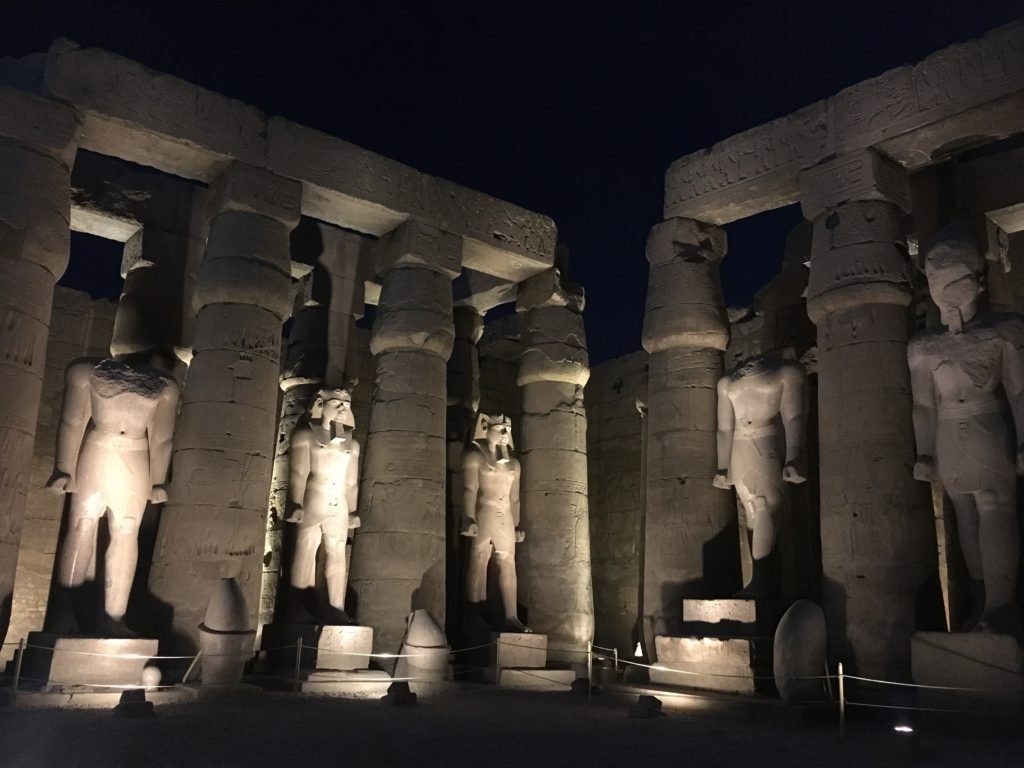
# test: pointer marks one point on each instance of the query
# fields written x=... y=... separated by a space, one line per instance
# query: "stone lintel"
x=993 y=186
x=675 y=236
x=914 y=114
x=416 y=244
x=243 y=188
x=39 y=123
x=858 y=176
x=548 y=289
x=481 y=291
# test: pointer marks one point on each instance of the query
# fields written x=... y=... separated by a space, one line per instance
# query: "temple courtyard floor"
x=484 y=727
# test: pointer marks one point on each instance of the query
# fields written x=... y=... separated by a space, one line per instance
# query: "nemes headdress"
x=344 y=393
x=485 y=421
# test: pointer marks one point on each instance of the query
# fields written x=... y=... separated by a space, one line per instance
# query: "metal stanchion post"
x=298 y=664
x=17 y=672
x=195 y=660
x=590 y=669
x=842 y=704
x=616 y=661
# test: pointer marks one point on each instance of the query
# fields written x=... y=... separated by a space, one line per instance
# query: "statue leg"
x=506 y=562
x=121 y=560
x=336 y=567
x=303 y=572
x=999 y=544
x=965 y=511
x=476 y=570
x=78 y=551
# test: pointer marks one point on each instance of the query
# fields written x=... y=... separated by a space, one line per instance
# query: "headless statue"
x=490 y=477
x=761 y=413
x=324 y=489
x=968 y=386
x=113 y=456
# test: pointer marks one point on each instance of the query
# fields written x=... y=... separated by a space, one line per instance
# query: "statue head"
x=496 y=431
x=333 y=405
x=954 y=268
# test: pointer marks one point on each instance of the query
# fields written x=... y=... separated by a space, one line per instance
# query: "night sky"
x=573 y=109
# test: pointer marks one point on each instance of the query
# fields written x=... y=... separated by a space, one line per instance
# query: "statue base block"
x=351 y=684
x=536 y=679
x=57 y=662
x=729 y=618
x=327 y=646
x=977 y=660
x=519 y=660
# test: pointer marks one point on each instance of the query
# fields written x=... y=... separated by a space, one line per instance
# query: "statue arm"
x=922 y=388
x=470 y=488
x=1013 y=385
x=514 y=494
x=726 y=424
x=160 y=433
x=75 y=412
x=794 y=415
x=352 y=479
x=298 y=473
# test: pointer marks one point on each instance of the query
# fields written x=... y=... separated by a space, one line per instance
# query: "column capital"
x=40 y=123
x=679 y=237
x=243 y=188
x=864 y=175
x=416 y=244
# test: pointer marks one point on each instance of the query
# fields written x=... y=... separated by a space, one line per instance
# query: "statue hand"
x=61 y=482
x=354 y=521
x=793 y=475
x=158 y=495
x=470 y=529
x=520 y=535
x=924 y=469
x=296 y=515
x=722 y=480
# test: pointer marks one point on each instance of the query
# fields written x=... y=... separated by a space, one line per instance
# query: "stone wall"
x=614 y=440
x=79 y=327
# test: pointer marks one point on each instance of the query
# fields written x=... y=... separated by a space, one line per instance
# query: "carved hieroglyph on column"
x=37 y=147
x=319 y=349
x=553 y=370
x=877 y=534
x=398 y=558
x=214 y=524
x=689 y=527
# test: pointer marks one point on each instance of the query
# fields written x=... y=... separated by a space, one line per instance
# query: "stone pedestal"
x=59 y=662
x=553 y=370
x=38 y=140
x=690 y=527
x=224 y=655
x=324 y=647
x=519 y=660
x=993 y=664
x=722 y=645
x=877 y=529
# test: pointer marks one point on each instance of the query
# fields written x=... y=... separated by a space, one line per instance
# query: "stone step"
x=536 y=679
x=716 y=664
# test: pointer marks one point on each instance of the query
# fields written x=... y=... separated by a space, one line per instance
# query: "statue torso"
x=124 y=397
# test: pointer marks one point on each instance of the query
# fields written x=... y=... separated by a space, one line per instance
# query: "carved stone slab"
x=344 y=647
x=63 y=662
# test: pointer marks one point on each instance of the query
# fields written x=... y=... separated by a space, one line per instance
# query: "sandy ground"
x=481 y=727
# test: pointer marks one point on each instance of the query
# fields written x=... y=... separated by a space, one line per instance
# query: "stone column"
x=877 y=536
x=690 y=528
x=319 y=349
x=553 y=370
x=214 y=523
x=398 y=559
x=38 y=141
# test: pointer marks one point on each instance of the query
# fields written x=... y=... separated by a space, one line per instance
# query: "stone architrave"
x=38 y=141
x=553 y=370
x=398 y=558
x=214 y=524
x=689 y=527
x=877 y=533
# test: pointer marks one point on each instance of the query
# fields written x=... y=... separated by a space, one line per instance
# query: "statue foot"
x=337 y=616
x=117 y=628
x=513 y=624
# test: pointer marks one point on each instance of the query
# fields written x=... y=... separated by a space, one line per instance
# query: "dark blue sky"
x=574 y=109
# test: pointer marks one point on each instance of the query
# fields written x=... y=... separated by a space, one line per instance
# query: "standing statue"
x=968 y=386
x=490 y=477
x=324 y=489
x=113 y=456
x=761 y=413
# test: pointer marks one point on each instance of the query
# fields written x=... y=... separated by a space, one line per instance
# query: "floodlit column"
x=318 y=352
x=38 y=141
x=877 y=533
x=398 y=558
x=214 y=523
x=553 y=370
x=690 y=547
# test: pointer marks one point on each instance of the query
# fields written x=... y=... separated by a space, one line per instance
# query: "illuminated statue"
x=968 y=386
x=490 y=477
x=761 y=414
x=324 y=488
x=113 y=456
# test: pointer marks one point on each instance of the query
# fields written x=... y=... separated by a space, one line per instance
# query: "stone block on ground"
x=732 y=618
x=536 y=679
x=992 y=665
x=56 y=661
x=731 y=665
x=350 y=684
x=799 y=653
x=528 y=650
x=344 y=647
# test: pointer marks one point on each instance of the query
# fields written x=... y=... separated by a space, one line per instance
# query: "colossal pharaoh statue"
x=113 y=456
x=490 y=477
x=968 y=385
x=761 y=414
x=323 y=488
